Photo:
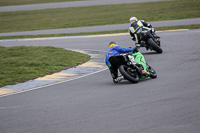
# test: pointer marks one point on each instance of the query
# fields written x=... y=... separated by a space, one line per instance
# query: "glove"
x=149 y=25
x=135 y=50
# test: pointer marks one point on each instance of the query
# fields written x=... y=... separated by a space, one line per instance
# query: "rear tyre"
x=130 y=76
x=154 y=45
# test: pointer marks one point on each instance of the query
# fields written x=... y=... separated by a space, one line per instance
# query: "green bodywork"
x=139 y=58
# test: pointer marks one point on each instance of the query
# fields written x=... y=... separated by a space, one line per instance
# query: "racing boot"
x=118 y=79
x=143 y=44
x=138 y=45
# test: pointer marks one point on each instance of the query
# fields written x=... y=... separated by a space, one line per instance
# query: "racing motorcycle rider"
x=113 y=50
x=135 y=24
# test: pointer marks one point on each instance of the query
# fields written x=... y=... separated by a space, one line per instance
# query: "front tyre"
x=154 y=45
x=128 y=74
x=152 y=72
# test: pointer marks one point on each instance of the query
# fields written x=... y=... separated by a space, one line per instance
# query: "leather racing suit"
x=113 y=51
x=135 y=26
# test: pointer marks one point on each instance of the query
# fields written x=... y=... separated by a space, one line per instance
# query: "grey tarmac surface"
x=68 y=4
x=93 y=104
x=103 y=28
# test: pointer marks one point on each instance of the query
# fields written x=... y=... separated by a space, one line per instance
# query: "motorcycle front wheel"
x=130 y=76
x=154 y=45
x=152 y=72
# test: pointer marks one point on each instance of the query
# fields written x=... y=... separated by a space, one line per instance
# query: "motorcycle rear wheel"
x=132 y=77
x=154 y=45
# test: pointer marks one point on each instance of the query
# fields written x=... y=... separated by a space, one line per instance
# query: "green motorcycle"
x=133 y=66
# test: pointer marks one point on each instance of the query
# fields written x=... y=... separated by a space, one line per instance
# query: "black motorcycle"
x=149 y=39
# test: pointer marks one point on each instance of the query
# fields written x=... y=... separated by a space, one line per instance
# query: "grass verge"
x=19 y=64
x=197 y=26
x=97 y=15
x=24 y=2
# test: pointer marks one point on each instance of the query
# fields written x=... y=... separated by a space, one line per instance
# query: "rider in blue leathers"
x=114 y=50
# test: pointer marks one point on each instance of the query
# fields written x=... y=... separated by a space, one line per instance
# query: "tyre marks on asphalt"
x=96 y=63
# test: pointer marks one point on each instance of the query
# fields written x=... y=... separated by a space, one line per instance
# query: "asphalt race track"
x=94 y=104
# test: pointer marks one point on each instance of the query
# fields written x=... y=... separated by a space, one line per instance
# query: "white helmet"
x=132 y=19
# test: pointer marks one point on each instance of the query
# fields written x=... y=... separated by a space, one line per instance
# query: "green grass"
x=24 y=2
x=22 y=63
x=197 y=26
x=190 y=27
x=19 y=64
x=97 y=15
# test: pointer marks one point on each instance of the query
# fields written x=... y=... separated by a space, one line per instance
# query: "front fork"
x=156 y=38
